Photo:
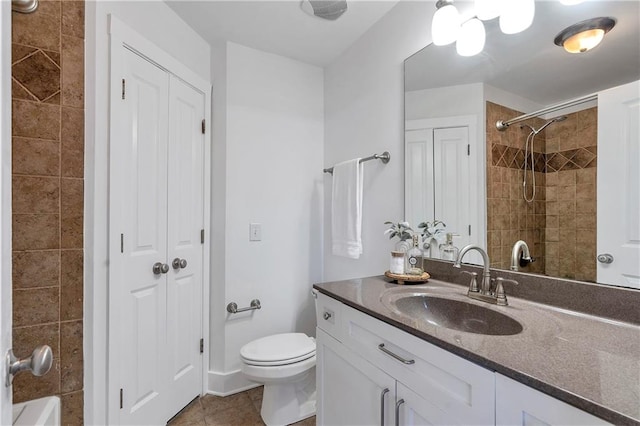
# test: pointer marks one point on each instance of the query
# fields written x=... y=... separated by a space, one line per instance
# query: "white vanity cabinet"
x=359 y=357
x=518 y=404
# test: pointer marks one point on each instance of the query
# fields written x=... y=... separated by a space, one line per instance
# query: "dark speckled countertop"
x=587 y=361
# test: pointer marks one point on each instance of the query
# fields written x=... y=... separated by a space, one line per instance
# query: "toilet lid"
x=289 y=347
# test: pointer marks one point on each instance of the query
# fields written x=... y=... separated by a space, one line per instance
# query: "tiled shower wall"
x=560 y=225
x=48 y=155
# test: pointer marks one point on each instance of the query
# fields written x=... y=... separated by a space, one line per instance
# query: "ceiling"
x=281 y=27
x=529 y=64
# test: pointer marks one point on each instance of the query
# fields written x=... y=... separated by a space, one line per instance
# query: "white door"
x=5 y=206
x=350 y=391
x=419 y=199
x=185 y=222
x=156 y=213
x=451 y=182
x=619 y=185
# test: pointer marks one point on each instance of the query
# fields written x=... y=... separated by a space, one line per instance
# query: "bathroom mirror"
x=460 y=169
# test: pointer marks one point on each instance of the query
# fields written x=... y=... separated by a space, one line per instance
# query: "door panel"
x=185 y=216
x=143 y=221
x=619 y=185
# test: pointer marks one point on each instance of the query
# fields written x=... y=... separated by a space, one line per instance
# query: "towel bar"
x=384 y=157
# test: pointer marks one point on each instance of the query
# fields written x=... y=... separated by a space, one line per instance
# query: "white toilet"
x=285 y=364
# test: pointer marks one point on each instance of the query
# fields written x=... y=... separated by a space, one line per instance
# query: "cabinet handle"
x=398 y=404
x=399 y=358
x=384 y=392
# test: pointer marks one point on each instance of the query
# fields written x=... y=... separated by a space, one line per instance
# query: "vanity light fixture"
x=585 y=35
x=445 y=25
x=448 y=26
x=472 y=38
x=516 y=15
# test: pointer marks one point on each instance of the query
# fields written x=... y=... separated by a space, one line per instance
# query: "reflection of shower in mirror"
x=528 y=157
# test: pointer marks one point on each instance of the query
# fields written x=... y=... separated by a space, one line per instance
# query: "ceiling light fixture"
x=472 y=38
x=445 y=25
x=585 y=35
x=516 y=15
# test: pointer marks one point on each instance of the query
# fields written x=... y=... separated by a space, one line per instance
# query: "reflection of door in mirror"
x=559 y=223
x=619 y=183
x=438 y=164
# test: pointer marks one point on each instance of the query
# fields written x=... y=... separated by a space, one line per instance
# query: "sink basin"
x=456 y=315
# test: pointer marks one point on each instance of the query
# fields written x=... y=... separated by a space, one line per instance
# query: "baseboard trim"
x=225 y=384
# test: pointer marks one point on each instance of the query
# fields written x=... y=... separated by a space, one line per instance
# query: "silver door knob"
x=160 y=268
x=179 y=263
x=326 y=315
x=605 y=258
x=39 y=363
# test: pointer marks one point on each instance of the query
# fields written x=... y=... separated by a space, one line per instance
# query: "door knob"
x=160 y=268
x=179 y=263
x=39 y=363
x=605 y=258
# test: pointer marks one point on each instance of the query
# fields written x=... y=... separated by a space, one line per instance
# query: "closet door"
x=185 y=249
x=138 y=197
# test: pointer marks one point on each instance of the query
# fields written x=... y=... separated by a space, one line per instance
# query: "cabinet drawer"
x=464 y=391
x=328 y=315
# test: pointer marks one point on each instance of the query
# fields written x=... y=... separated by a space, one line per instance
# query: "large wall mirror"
x=567 y=180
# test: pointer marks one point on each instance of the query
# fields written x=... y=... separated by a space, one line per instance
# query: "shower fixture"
x=529 y=158
x=325 y=9
x=24 y=6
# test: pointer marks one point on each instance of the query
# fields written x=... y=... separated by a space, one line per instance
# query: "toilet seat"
x=279 y=349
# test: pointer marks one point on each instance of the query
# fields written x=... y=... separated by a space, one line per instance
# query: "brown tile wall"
x=509 y=217
x=571 y=196
x=48 y=152
x=560 y=225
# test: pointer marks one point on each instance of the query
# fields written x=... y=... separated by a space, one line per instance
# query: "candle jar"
x=396 y=265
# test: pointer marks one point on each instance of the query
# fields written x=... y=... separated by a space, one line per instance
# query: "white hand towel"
x=346 y=209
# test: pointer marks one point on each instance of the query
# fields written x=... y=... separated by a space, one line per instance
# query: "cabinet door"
x=413 y=410
x=517 y=404
x=350 y=391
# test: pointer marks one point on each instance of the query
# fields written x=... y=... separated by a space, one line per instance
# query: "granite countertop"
x=587 y=361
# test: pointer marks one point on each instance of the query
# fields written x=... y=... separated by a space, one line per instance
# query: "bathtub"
x=37 y=412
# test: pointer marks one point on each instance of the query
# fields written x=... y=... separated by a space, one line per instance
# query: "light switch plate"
x=255 y=232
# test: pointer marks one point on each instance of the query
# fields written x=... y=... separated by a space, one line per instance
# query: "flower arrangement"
x=402 y=230
x=431 y=231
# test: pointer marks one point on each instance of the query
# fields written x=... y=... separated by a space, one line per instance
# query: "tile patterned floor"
x=241 y=409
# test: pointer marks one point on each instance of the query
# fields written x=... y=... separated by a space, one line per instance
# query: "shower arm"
x=504 y=125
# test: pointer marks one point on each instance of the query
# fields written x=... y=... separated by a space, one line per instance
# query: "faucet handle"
x=501 y=296
x=473 y=285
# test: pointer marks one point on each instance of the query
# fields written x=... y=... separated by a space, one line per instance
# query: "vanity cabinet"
x=518 y=404
x=369 y=371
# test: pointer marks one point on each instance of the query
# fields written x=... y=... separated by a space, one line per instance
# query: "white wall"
x=172 y=35
x=445 y=102
x=364 y=106
x=274 y=151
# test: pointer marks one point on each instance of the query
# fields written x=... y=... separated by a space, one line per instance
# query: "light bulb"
x=516 y=15
x=472 y=37
x=487 y=9
x=445 y=25
x=583 y=41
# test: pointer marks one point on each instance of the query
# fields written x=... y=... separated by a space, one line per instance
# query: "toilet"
x=285 y=364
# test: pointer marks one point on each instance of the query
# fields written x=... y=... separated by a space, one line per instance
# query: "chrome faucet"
x=485 y=284
x=484 y=292
x=520 y=247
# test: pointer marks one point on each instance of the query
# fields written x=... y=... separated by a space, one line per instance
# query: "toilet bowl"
x=285 y=364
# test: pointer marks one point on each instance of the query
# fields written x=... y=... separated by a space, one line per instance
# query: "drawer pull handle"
x=326 y=315
x=398 y=404
x=382 y=395
x=399 y=358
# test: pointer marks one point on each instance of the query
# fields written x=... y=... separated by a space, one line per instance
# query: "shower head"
x=553 y=120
